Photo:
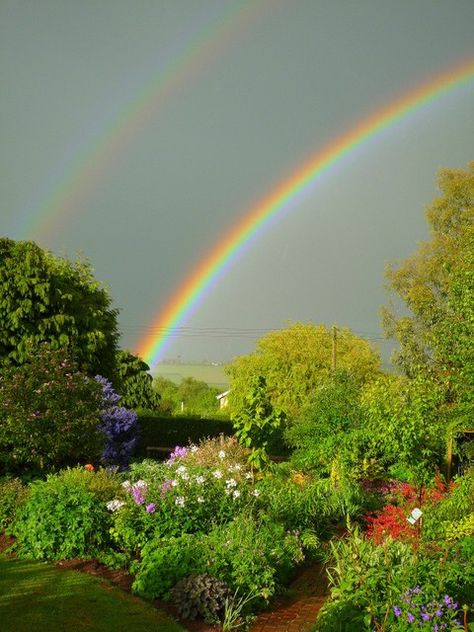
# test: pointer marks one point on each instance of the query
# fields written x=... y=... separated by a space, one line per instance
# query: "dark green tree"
x=134 y=383
x=45 y=298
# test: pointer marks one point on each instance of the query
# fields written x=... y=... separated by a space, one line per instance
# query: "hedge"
x=172 y=431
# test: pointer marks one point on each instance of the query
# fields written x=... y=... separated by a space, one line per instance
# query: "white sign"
x=415 y=515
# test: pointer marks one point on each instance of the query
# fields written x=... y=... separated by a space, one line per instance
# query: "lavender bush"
x=120 y=427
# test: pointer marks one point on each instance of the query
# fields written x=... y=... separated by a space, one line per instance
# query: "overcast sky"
x=253 y=90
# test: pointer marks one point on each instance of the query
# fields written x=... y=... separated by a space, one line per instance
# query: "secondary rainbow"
x=66 y=197
x=208 y=271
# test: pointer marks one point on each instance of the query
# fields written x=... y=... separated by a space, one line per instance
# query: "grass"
x=212 y=375
x=37 y=596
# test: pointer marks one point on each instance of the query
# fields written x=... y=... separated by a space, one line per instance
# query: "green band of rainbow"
x=189 y=295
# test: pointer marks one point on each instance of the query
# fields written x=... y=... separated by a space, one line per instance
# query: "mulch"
x=295 y=611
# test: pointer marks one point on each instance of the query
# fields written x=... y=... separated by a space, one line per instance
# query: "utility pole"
x=334 y=347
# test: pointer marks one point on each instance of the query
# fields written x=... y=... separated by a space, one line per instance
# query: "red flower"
x=89 y=467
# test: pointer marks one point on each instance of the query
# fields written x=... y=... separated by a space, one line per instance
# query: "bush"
x=370 y=582
x=119 y=426
x=201 y=596
x=49 y=414
x=252 y=557
x=65 y=516
x=196 y=487
x=12 y=494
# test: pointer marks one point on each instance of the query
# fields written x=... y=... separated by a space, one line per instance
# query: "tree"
x=436 y=284
x=49 y=413
x=168 y=393
x=295 y=360
x=135 y=384
x=44 y=298
x=198 y=397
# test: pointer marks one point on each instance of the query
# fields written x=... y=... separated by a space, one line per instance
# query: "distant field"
x=212 y=375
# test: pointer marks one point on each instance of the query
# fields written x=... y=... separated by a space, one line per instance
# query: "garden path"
x=296 y=611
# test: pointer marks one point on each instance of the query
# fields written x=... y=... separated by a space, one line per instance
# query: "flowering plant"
x=416 y=610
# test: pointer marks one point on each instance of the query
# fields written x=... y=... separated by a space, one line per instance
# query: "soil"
x=295 y=611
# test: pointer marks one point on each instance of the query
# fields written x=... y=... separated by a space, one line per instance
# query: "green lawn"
x=37 y=597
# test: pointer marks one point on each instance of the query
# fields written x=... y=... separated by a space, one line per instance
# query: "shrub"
x=49 y=414
x=119 y=426
x=64 y=516
x=200 y=596
x=12 y=494
x=252 y=557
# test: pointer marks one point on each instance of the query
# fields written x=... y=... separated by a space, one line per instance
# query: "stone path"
x=296 y=611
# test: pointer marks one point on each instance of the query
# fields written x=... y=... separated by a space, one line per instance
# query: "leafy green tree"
x=135 y=384
x=294 y=361
x=44 y=298
x=402 y=420
x=257 y=422
x=198 y=397
x=49 y=414
x=168 y=393
x=436 y=284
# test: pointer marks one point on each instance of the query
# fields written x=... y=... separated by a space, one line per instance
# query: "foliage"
x=294 y=361
x=369 y=581
x=436 y=283
x=250 y=556
x=135 y=384
x=325 y=429
x=416 y=609
x=64 y=516
x=401 y=418
x=257 y=422
x=44 y=298
x=196 y=487
x=12 y=494
x=202 y=596
x=119 y=426
x=191 y=396
x=49 y=413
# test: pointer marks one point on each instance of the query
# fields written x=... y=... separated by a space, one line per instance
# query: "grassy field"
x=212 y=375
x=37 y=596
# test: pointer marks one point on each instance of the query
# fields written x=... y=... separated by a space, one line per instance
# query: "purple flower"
x=150 y=508
x=178 y=453
x=167 y=485
x=410 y=617
x=397 y=611
x=425 y=616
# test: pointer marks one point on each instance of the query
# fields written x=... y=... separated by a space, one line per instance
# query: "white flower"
x=174 y=483
x=194 y=449
x=200 y=499
x=140 y=484
x=113 y=505
x=256 y=493
x=179 y=501
x=217 y=474
x=234 y=468
x=185 y=476
x=248 y=475
x=200 y=479
x=127 y=486
x=231 y=482
x=236 y=493
x=180 y=470
x=221 y=454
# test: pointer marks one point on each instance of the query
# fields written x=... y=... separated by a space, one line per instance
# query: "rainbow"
x=204 y=277
x=77 y=180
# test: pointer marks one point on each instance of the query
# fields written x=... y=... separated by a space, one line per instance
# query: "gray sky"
x=279 y=80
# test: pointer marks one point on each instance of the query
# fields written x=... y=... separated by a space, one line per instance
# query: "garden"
x=219 y=528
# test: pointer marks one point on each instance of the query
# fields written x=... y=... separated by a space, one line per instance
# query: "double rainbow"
x=206 y=274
